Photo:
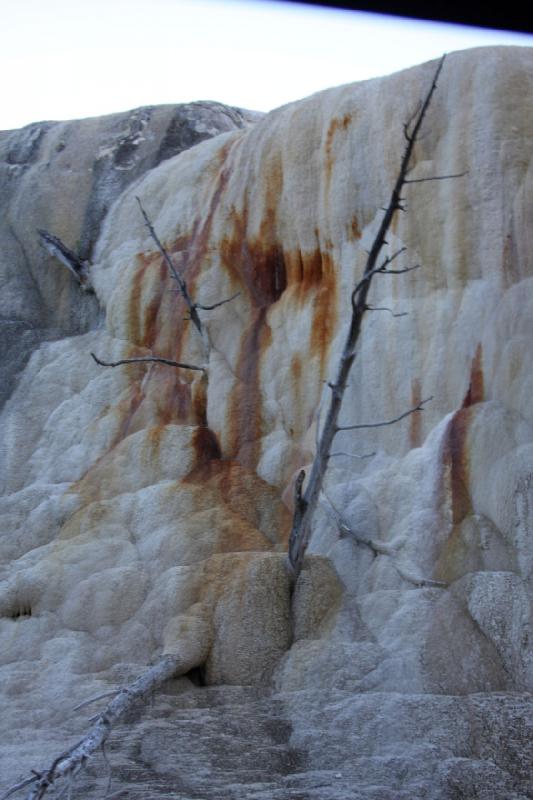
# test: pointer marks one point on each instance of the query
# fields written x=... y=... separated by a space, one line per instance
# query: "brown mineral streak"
x=245 y=417
x=354 y=232
x=476 y=390
x=226 y=484
x=324 y=312
x=456 y=460
x=455 y=456
x=337 y=124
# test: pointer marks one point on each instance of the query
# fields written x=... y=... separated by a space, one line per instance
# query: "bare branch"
x=391 y=258
x=146 y=360
x=399 y=271
x=437 y=177
x=378 y=548
x=384 y=308
x=94 y=699
x=216 y=305
x=418 y=407
x=417 y=581
x=352 y=455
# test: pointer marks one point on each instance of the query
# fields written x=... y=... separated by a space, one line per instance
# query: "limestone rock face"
x=64 y=177
x=146 y=507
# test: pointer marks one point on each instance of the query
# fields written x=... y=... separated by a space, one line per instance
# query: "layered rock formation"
x=146 y=508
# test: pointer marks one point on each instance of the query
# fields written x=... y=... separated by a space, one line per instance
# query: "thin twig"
x=420 y=582
x=145 y=360
x=437 y=178
x=391 y=258
x=418 y=407
x=98 y=697
x=352 y=455
x=216 y=305
x=384 y=308
x=399 y=271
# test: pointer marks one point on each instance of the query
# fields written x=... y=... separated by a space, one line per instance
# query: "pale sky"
x=65 y=59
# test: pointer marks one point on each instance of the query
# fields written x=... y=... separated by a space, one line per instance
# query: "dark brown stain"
x=457 y=465
x=206 y=446
x=475 y=392
x=415 y=420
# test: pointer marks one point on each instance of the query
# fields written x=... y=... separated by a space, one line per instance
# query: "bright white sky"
x=64 y=59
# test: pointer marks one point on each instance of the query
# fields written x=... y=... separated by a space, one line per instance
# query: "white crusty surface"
x=145 y=507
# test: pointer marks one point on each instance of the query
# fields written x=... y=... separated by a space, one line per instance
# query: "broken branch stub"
x=306 y=502
x=57 y=249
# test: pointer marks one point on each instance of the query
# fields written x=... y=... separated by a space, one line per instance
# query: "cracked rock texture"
x=146 y=508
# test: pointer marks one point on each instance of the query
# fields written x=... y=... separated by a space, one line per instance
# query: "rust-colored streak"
x=259 y=520
x=126 y=410
x=258 y=263
x=336 y=125
x=245 y=418
x=134 y=304
x=456 y=463
x=324 y=312
x=415 y=420
x=206 y=446
x=354 y=232
x=475 y=392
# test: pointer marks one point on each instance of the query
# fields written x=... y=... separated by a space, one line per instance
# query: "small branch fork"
x=67 y=765
x=305 y=508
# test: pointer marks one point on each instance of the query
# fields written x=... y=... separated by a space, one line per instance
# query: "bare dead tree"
x=192 y=307
x=305 y=502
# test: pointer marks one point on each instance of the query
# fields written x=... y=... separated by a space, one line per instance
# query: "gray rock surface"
x=64 y=177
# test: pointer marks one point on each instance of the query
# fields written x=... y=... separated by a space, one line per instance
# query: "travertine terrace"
x=147 y=508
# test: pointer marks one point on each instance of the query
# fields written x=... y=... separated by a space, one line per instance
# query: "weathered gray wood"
x=306 y=505
x=57 y=249
x=68 y=764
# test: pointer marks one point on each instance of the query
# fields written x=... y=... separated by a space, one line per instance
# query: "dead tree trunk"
x=306 y=502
